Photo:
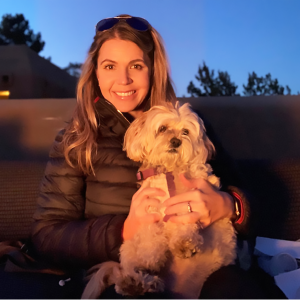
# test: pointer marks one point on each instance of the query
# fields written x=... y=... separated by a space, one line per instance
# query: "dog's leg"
x=142 y=257
x=138 y=283
x=103 y=276
x=185 y=277
x=220 y=238
x=184 y=240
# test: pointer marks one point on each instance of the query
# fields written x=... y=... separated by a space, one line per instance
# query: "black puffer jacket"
x=79 y=219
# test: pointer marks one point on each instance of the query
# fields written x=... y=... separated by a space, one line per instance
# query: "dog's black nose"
x=175 y=143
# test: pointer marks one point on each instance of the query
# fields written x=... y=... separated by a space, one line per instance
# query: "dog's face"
x=167 y=137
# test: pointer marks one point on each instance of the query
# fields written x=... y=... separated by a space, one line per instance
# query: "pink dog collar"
x=142 y=175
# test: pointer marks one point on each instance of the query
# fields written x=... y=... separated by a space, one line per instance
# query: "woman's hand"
x=138 y=214
x=206 y=202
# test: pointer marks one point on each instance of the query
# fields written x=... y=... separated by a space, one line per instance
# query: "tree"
x=263 y=86
x=211 y=85
x=15 y=30
x=74 y=69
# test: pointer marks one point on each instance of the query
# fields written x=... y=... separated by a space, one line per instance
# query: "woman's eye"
x=162 y=129
x=138 y=67
x=185 y=131
x=109 y=67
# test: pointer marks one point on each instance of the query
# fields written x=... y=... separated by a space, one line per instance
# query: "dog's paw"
x=128 y=286
x=144 y=271
x=153 y=284
x=186 y=248
x=138 y=285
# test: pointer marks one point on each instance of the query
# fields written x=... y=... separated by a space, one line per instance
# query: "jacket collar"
x=110 y=121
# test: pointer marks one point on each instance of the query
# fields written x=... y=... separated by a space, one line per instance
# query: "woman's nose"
x=124 y=77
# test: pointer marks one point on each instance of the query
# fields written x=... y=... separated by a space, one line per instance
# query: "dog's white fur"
x=165 y=255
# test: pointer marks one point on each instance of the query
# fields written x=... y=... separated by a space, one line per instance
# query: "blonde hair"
x=80 y=136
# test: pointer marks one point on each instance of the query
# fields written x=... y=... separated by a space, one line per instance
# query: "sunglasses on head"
x=136 y=23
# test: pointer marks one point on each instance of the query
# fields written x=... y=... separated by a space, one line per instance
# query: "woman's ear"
x=135 y=136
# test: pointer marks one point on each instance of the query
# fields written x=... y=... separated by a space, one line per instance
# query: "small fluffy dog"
x=162 y=256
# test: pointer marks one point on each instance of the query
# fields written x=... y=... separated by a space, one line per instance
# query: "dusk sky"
x=237 y=36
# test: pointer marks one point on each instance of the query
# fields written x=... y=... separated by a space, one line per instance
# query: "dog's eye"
x=162 y=129
x=185 y=131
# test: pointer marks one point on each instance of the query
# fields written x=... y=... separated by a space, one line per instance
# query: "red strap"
x=96 y=100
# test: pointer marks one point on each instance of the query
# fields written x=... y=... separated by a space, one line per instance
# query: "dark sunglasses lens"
x=138 y=23
x=106 y=24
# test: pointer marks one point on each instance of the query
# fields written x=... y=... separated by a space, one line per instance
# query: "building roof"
x=27 y=75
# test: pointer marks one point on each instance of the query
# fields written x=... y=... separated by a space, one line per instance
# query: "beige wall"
x=260 y=128
x=32 y=124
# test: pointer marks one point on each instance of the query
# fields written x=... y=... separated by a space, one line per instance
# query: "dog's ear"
x=207 y=148
x=207 y=142
x=184 y=109
x=134 y=139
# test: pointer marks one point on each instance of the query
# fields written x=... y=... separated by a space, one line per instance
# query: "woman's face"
x=123 y=73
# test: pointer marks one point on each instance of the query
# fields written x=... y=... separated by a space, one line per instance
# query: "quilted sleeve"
x=60 y=233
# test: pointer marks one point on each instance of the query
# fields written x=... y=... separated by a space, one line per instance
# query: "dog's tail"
x=101 y=276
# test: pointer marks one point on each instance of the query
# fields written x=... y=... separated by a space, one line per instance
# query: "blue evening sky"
x=237 y=36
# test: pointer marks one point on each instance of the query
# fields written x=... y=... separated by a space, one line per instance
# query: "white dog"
x=166 y=255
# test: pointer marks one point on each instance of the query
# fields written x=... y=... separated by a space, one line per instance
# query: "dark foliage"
x=211 y=85
x=15 y=30
x=221 y=85
x=74 y=69
x=263 y=86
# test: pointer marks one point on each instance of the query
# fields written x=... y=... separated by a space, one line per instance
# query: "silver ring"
x=189 y=207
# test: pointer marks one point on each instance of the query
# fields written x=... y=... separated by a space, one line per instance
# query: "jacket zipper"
x=119 y=113
x=123 y=116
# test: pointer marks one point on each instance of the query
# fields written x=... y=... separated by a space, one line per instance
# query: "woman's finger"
x=184 y=219
x=148 y=205
x=190 y=218
x=152 y=202
x=152 y=218
x=189 y=183
x=148 y=192
x=188 y=207
x=184 y=197
x=145 y=184
x=195 y=183
x=180 y=208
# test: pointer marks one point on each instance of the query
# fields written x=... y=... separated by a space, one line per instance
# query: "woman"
x=88 y=201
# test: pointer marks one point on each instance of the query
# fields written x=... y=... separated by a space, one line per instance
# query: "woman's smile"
x=125 y=94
